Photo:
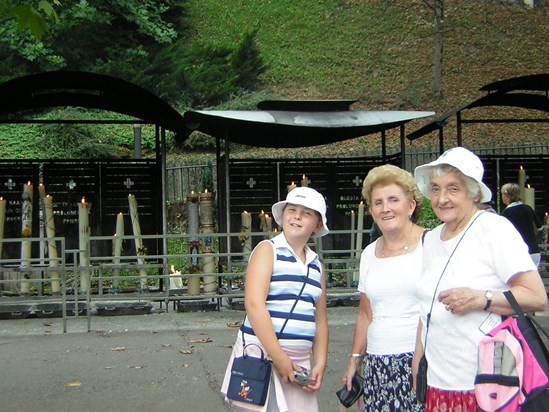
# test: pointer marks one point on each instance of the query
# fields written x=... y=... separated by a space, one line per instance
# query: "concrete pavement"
x=167 y=361
x=161 y=361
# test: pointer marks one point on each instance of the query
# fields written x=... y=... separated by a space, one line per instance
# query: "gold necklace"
x=403 y=250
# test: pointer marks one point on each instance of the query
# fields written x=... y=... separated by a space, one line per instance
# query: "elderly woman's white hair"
x=465 y=162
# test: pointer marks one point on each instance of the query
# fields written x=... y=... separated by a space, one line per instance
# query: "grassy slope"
x=380 y=52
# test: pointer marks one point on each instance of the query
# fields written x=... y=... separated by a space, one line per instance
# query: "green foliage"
x=32 y=14
x=427 y=217
x=38 y=141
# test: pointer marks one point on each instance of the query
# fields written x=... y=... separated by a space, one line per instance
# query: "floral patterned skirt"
x=388 y=384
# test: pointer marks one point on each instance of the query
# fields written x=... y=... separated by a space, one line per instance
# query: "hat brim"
x=278 y=211
x=422 y=175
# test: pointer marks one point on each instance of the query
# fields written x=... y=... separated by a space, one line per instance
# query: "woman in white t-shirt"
x=468 y=262
x=386 y=324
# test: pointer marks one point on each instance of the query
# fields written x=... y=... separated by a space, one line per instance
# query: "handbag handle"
x=263 y=357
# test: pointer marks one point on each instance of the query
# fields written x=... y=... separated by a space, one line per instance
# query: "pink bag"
x=513 y=367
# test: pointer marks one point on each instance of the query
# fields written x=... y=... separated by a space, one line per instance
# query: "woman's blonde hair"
x=389 y=174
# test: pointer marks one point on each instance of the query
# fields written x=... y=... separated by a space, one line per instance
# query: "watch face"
x=488 y=294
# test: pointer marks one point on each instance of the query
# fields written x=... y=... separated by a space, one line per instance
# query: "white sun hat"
x=462 y=159
x=303 y=196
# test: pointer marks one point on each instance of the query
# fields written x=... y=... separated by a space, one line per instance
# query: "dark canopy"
x=90 y=90
x=509 y=92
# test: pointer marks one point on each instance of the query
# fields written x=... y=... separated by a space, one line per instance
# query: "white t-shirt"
x=389 y=283
x=491 y=252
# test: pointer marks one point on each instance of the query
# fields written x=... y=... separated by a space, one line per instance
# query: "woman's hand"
x=462 y=300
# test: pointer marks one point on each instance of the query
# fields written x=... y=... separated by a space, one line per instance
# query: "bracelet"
x=356 y=355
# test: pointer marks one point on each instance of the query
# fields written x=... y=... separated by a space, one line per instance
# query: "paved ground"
x=166 y=361
x=161 y=361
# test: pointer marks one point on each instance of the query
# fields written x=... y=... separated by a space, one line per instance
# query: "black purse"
x=349 y=397
x=250 y=378
x=421 y=380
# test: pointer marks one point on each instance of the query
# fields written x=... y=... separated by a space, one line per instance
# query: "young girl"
x=284 y=273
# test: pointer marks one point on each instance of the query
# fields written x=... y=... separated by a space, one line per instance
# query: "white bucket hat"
x=303 y=196
x=462 y=159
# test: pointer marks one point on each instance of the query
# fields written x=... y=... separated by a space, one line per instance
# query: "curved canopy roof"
x=509 y=92
x=90 y=90
x=296 y=123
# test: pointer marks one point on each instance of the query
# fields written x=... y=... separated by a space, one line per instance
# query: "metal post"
x=137 y=141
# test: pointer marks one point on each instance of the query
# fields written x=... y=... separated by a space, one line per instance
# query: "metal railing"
x=148 y=278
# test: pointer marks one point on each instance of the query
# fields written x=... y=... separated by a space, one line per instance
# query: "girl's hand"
x=285 y=368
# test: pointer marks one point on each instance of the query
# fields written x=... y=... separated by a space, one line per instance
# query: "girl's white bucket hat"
x=303 y=196
x=462 y=159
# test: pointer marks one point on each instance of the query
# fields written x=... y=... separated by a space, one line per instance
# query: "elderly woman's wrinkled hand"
x=461 y=300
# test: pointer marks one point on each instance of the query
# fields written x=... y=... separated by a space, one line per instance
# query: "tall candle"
x=304 y=181
x=268 y=225
x=83 y=244
x=529 y=196
x=52 y=245
x=291 y=186
x=138 y=241
x=26 y=231
x=2 y=220
x=353 y=218
x=521 y=181
x=117 y=250
x=245 y=238
x=42 y=191
x=359 y=229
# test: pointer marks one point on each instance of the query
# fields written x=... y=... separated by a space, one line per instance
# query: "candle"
x=52 y=245
x=42 y=191
x=521 y=181
x=26 y=231
x=84 y=234
x=262 y=221
x=304 y=181
x=2 y=220
x=529 y=197
x=291 y=186
x=358 y=249
x=268 y=223
x=117 y=250
x=353 y=216
x=138 y=241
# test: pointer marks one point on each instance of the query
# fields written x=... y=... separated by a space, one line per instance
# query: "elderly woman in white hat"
x=285 y=300
x=468 y=261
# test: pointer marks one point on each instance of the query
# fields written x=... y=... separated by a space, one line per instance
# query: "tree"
x=142 y=41
x=32 y=14
x=439 y=43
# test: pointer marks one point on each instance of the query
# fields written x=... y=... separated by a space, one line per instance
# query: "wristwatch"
x=488 y=295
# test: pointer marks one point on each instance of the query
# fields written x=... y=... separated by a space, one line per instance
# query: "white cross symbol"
x=71 y=184
x=357 y=181
x=10 y=184
x=251 y=182
x=128 y=183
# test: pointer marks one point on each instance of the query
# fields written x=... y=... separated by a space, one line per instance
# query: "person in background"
x=388 y=313
x=285 y=289
x=468 y=261
x=523 y=218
